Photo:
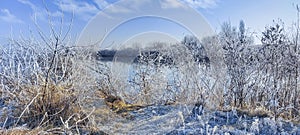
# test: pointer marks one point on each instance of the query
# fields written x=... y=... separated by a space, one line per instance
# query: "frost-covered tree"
x=196 y=49
x=276 y=70
x=234 y=42
x=274 y=35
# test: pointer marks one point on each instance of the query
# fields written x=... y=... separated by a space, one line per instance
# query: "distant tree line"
x=156 y=54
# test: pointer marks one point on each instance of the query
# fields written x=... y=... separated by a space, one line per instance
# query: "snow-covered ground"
x=181 y=120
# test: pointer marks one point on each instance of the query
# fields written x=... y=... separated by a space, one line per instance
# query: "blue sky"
x=17 y=17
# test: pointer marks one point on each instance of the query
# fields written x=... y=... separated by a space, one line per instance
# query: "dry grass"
x=45 y=94
x=116 y=103
x=51 y=109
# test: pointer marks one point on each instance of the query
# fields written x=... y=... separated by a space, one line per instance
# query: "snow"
x=180 y=120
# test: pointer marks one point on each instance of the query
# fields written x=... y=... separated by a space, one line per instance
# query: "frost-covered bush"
x=44 y=81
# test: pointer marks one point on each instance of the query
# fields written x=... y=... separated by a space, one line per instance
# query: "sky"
x=22 y=18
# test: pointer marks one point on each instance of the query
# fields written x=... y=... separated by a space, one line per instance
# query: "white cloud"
x=40 y=13
x=6 y=16
x=101 y=3
x=56 y=14
x=128 y=6
x=81 y=9
x=26 y=2
x=204 y=4
x=170 y=4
